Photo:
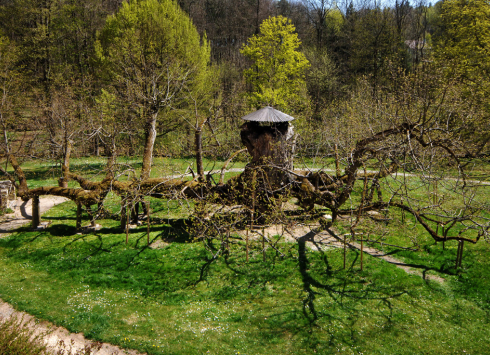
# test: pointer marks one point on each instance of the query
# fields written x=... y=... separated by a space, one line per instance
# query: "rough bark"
x=22 y=189
x=266 y=144
x=63 y=181
x=150 y=136
x=36 y=216
x=198 y=148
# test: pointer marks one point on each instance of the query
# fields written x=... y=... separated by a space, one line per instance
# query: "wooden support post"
x=127 y=228
x=345 y=247
x=254 y=176
x=457 y=257
x=263 y=244
x=403 y=211
x=444 y=241
x=36 y=216
x=62 y=182
x=93 y=216
x=123 y=215
x=228 y=240
x=135 y=212
x=246 y=242
x=461 y=254
x=457 y=254
x=147 y=204
x=79 y=216
x=362 y=251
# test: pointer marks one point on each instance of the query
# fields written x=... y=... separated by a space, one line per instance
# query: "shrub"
x=16 y=338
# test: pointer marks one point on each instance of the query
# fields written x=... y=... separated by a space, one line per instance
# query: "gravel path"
x=23 y=213
x=60 y=340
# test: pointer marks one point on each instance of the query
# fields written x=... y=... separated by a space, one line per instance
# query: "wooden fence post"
x=147 y=204
x=36 y=216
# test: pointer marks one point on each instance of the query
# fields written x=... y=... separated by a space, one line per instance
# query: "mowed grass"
x=178 y=299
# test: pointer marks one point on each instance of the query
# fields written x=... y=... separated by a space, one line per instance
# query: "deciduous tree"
x=152 y=52
x=464 y=42
x=277 y=76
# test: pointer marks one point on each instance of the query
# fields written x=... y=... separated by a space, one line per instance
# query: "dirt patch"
x=158 y=244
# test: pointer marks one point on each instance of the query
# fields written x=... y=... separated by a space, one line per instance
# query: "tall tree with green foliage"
x=153 y=54
x=462 y=48
x=277 y=76
x=464 y=41
x=10 y=84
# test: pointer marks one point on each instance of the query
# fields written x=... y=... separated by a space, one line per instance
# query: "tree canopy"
x=277 y=76
x=152 y=52
x=464 y=41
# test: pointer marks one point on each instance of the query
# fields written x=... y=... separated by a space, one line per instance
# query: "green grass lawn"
x=179 y=300
x=39 y=173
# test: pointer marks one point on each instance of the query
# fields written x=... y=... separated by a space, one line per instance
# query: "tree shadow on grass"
x=348 y=293
x=446 y=267
x=102 y=259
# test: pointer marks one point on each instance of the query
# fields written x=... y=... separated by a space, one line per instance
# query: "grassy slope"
x=176 y=300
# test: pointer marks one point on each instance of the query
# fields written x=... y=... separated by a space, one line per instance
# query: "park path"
x=23 y=213
x=328 y=170
x=58 y=339
x=322 y=240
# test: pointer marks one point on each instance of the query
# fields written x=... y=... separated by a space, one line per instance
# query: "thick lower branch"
x=426 y=226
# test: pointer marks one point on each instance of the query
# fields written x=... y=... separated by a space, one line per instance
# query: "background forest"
x=55 y=84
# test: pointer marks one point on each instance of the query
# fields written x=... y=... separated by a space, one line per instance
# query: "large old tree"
x=392 y=144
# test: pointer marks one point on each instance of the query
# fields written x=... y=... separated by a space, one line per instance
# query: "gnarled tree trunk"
x=150 y=136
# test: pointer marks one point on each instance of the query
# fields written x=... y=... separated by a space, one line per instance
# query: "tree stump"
x=271 y=147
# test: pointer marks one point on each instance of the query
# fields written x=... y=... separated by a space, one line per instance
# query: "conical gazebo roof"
x=268 y=114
